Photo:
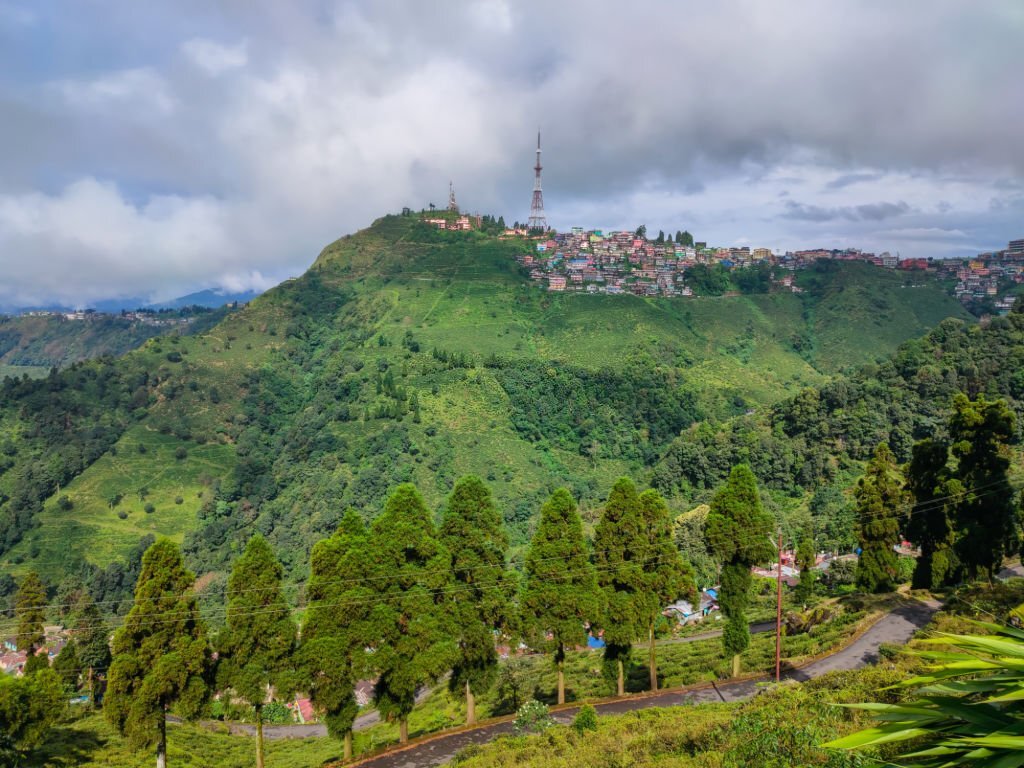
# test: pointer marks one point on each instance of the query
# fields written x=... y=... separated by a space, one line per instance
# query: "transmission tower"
x=537 y=218
x=452 y=205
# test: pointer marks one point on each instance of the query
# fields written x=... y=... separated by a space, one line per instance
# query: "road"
x=896 y=627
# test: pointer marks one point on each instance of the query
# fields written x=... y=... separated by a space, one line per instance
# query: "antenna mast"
x=537 y=218
x=452 y=205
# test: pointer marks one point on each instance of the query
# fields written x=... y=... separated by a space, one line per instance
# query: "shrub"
x=150 y=509
x=178 y=500
x=64 y=504
x=180 y=453
x=277 y=713
x=586 y=719
x=122 y=514
x=533 y=717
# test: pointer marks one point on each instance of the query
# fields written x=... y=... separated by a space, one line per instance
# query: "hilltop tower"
x=537 y=218
x=452 y=205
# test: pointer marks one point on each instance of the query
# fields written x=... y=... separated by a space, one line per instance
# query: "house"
x=13 y=662
x=303 y=710
x=364 y=692
x=684 y=613
x=556 y=282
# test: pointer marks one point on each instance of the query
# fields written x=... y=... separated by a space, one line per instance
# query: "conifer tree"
x=474 y=535
x=413 y=626
x=92 y=643
x=560 y=594
x=337 y=628
x=257 y=645
x=666 y=575
x=805 y=561
x=881 y=499
x=930 y=521
x=66 y=665
x=30 y=611
x=161 y=654
x=986 y=514
x=618 y=559
x=739 y=533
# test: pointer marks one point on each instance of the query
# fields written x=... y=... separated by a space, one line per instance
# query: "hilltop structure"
x=537 y=218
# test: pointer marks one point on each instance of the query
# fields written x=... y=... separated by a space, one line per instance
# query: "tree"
x=337 y=629
x=986 y=513
x=30 y=611
x=641 y=232
x=473 y=533
x=29 y=708
x=805 y=561
x=414 y=628
x=666 y=575
x=92 y=643
x=560 y=595
x=618 y=559
x=161 y=655
x=880 y=499
x=257 y=645
x=929 y=523
x=66 y=666
x=739 y=532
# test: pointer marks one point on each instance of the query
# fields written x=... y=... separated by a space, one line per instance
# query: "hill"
x=405 y=353
x=53 y=341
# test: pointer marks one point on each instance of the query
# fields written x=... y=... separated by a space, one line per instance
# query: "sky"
x=152 y=149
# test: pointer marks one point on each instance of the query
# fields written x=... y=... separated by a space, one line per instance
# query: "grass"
x=17 y=371
x=154 y=477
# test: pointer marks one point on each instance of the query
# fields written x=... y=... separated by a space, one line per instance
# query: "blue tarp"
x=594 y=642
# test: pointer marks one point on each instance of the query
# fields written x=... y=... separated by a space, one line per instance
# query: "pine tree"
x=161 y=655
x=929 y=524
x=619 y=563
x=805 y=561
x=414 y=628
x=666 y=575
x=66 y=665
x=337 y=628
x=30 y=611
x=474 y=535
x=257 y=645
x=560 y=595
x=880 y=500
x=740 y=535
x=92 y=642
x=986 y=513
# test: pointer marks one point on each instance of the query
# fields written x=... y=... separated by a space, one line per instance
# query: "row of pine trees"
x=408 y=602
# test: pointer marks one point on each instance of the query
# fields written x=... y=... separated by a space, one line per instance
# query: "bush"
x=180 y=453
x=64 y=504
x=178 y=500
x=122 y=514
x=277 y=713
x=586 y=719
x=149 y=509
x=533 y=717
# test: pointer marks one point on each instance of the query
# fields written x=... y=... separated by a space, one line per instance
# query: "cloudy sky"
x=154 y=148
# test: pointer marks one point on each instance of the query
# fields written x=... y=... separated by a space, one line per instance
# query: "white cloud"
x=215 y=58
x=142 y=87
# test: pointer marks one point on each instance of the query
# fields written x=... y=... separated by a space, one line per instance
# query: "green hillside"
x=408 y=354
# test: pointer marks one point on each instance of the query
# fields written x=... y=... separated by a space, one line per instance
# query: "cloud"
x=215 y=58
x=200 y=144
x=864 y=212
x=143 y=87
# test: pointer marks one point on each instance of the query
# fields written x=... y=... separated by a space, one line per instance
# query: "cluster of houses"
x=12 y=661
x=595 y=261
x=143 y=317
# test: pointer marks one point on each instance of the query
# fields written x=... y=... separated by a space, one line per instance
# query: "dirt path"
x=897 y=627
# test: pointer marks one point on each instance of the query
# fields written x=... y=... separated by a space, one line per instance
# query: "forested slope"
x=408 y=354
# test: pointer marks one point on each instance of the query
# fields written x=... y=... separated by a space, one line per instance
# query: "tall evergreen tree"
x=929 y=523
x=257 y=645
x=337 y=629
x=92 y=641
x=414 y=628
x=986 y=513
x=30 y=611
x=618 y=559
x=740 y=534
x=666 y=575
x=161 y=654
x=805 y=561
x=560 y=595
x=67 y=666
x=881 y=500
x=474 y=535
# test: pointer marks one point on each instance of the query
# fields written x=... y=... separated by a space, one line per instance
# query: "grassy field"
x=17 y=371
x=144 y=470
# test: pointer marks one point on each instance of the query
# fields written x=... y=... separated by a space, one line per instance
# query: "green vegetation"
x=880 y=500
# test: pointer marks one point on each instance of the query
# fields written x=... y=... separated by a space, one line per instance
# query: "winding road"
x=896 y=627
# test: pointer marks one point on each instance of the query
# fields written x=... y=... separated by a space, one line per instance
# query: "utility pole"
x=778 y=616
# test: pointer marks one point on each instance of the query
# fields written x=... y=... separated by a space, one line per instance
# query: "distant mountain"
x=211 y=298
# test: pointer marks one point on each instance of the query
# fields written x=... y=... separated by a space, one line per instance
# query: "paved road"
x=896 y=628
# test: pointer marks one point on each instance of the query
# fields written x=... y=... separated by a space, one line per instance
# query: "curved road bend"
x=897 y=627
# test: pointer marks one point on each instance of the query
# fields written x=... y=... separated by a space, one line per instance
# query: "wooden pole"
x=778 y=616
